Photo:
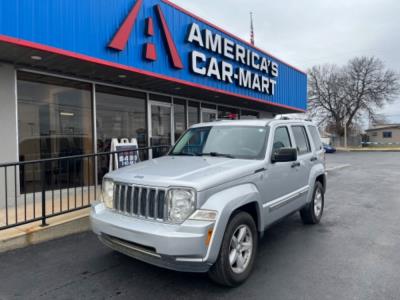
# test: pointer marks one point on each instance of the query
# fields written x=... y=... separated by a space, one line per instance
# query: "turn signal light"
x=209 y=235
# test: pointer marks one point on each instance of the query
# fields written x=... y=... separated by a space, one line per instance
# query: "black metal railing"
x=32 y=191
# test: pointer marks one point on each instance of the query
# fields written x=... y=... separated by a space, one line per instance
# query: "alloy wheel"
x=241 y=249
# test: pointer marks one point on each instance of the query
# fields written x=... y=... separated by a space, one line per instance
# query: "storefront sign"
x=256 y=72
x=126 y=155
x=156 y=38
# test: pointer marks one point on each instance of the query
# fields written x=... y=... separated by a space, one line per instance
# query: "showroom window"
x=193 y=113
x=161 y=124
x=208 y=112
x=54 y=120
x=227 y=113
x=179 y=117
x=248 y=115
x=120 y=114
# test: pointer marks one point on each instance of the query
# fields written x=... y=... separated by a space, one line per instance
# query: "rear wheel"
x=312 y=212
x=238 y=250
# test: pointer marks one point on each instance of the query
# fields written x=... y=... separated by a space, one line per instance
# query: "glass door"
x=160 y=127
x=208 y=115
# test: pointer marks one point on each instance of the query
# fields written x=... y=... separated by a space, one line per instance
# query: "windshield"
x=246 y=142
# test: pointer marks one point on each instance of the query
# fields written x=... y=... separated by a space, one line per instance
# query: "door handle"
x=314 y=158
x=295 y=164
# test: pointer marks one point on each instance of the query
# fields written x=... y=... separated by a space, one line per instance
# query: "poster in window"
x=127 y=155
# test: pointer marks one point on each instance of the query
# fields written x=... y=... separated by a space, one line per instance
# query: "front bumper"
x=178 y=247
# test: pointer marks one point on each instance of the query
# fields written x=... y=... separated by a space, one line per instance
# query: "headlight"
x=181 y=204
x=107 y=192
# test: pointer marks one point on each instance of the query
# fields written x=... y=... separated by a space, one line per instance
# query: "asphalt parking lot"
x=353 y=254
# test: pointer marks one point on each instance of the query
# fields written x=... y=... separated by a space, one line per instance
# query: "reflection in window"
x=315 y=136
x=301 y=139
x=227 y=113
x=193 y=113
x=120 y=114
x=281 y=138
x=208 y=115
x=249 y=115
x=54 y=120
x=236 y=141
x=160 y=128
x=180 y=118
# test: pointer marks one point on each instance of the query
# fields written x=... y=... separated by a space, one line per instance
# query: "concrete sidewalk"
x=33 y=233
x=29 y=207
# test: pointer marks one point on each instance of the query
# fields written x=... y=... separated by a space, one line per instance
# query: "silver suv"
x=204 y=206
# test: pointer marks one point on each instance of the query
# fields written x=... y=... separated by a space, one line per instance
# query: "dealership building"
x=75 y=74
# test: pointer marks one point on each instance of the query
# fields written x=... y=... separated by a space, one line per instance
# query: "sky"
x=312 y=32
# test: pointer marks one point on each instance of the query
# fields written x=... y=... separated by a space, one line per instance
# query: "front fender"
x=316 y=171
x=225 y=203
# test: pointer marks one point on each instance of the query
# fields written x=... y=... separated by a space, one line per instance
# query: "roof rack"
x=282 y=117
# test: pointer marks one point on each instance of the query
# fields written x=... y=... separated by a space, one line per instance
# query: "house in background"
x=384 y=134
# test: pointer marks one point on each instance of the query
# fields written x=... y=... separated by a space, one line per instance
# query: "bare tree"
x=339 y=96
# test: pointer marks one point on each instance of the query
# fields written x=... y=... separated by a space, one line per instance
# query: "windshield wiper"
x=216 y=154
x=184 y=154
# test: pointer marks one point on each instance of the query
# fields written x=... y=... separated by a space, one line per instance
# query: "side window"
x=315 y=137
x=281 y=138
x=300 y=136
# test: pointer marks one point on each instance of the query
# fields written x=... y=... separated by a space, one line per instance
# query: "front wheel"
x=312 y=212
x=238 y=250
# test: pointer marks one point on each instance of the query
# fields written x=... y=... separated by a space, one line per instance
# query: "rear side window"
x=315 y=137
x=281 y=138
x=301 y=138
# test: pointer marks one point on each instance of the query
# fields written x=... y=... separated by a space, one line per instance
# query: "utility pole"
x=345 y=136
x=251 y=29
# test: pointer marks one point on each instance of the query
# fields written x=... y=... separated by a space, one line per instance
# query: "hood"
x=198 y=172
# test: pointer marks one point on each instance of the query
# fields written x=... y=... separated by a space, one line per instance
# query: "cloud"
x=309 y=32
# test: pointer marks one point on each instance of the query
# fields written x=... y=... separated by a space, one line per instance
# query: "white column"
x=8 y=114
x=8 y=132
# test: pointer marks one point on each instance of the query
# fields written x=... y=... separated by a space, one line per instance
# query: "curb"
x=367 y=150
x=35 y=235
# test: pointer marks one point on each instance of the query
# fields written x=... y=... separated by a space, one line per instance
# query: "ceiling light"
x=67 y=114
x=178 y=88
x=36 y=57
x=122 y=76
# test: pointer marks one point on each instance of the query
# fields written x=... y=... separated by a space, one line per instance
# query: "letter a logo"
x=121 y=38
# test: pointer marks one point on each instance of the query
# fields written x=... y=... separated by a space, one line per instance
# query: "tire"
x=312 y=212
x=231 y=275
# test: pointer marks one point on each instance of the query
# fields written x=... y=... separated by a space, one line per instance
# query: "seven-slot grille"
x=140 y=201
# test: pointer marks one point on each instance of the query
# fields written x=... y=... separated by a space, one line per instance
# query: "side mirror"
x=284 y=155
